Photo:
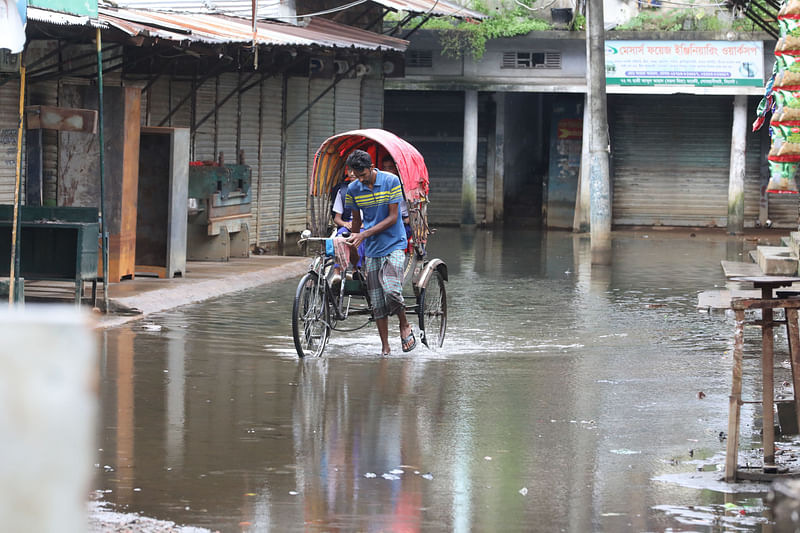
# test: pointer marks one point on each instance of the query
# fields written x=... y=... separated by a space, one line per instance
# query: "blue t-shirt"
x=374 y=206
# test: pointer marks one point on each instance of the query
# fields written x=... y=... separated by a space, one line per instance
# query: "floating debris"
x=370 y=475
x=390 y=477
x=396 y=471
x=625 y=451
x=427 y=476
x=523 y=491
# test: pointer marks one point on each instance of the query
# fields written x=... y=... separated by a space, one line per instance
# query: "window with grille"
x=532 y=60
x=419 y=58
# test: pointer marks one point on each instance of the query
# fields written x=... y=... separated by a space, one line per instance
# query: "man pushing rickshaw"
x=393 y=254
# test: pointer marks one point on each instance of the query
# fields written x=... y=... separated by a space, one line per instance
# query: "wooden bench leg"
x=794 y=351
x=768 y=390
x=735 y=400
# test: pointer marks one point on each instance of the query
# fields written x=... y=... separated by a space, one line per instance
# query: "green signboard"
x=87 y=8
x=693 y=63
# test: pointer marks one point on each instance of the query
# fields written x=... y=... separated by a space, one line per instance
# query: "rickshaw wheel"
x=310 y=325
x=433 y=311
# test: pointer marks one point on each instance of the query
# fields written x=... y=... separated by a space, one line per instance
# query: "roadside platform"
x=133 y=299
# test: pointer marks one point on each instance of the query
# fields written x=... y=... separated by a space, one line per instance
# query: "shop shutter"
x=753 y=163
x=158 y=100
x=296 y=173
x=228 y=117
x=248 y=142
x=320 y=127
x=269 y=184
x=182 y=117
x=671 y=158
x=434 y=124
x=348 y=105
x=9 y=122
x=46 y=93
x=371 y=103
x=783 y=210
x=204 y=142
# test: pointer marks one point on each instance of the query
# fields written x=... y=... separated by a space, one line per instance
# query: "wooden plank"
x=768 y=390
x=721 y=298
x=793 y=335
x=735 y=401
x=738 y=268
x=759 y=303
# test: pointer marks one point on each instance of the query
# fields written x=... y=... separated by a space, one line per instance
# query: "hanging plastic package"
x=782 y=178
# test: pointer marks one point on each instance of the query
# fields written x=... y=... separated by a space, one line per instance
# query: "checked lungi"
x=385 y=283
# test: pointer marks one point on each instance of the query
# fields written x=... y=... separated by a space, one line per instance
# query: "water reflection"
x=563 y=390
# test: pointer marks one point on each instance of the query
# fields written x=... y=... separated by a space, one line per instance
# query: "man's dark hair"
x=359 y=160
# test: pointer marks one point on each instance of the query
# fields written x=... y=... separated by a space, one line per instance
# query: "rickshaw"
x=322 y=306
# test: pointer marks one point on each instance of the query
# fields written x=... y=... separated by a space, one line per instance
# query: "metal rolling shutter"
x=248 y=142
x=371 y=103
x=783 y=210
x=434 y=124
x=228 y=117
x=348 y=105
x=9 y=122
x=205 y=147
x=182 y=117
x=671 y=158
x=159 y=101
x=269 y=185
x=480 y=181
x=444 y=160
x=46 y=93
x=320 y=126
x=295 y=193
x=752 y=176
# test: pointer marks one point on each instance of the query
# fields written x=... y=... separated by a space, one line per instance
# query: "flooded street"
x=566 y=398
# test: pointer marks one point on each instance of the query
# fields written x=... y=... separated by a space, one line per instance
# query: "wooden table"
x=767 y=303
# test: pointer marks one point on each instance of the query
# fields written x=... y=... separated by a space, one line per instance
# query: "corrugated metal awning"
x=435 y=7
x=270 y=9
x=218 y=29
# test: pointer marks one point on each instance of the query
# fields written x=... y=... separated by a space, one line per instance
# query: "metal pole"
x=599 y=180
x=103 y=233
x=13 y=277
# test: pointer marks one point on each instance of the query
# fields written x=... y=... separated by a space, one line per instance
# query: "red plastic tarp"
x=329 y=161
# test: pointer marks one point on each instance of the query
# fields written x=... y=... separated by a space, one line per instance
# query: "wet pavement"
x=566 y=398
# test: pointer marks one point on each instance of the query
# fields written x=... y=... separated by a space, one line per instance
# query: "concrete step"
x=794 y=242
x=777 y=260
x=735 y=269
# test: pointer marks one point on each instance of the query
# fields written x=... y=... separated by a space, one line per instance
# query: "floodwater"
x=566 y=398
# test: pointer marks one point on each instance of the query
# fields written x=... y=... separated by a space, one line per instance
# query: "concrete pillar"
x=599 y=172
x=737 y=167
x=580 y=222
x=469 y=181
x=48 y=411
x=496 y=192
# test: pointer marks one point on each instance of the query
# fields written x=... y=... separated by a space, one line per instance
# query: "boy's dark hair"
x=359 y=160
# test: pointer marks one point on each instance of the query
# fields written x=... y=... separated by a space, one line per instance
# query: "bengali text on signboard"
x=693 y=63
